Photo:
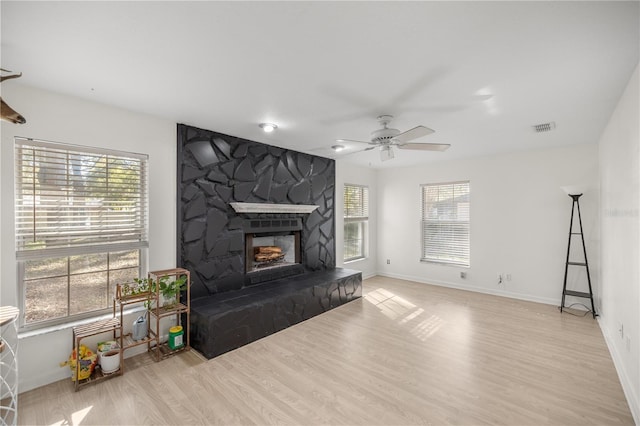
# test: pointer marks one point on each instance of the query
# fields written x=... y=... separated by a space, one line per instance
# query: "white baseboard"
x=484 y=290
x=370 y=275
x=625 y=381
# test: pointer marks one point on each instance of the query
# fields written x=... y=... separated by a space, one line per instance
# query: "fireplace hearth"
x=225 y=321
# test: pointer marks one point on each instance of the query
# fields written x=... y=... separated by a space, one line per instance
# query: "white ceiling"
x=325 y=70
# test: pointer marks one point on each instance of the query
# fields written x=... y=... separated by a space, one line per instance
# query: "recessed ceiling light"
x=337 y=148
x=268 y=127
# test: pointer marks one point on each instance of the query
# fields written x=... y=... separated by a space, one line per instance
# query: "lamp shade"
x=574 y=189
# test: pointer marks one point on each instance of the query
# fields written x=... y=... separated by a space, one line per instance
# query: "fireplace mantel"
x=272 y=208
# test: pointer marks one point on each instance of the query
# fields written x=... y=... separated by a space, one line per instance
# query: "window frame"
x=24 y=254
x=463 y=251
x=362 y=220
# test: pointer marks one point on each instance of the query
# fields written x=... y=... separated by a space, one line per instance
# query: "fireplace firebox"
x=272 y=249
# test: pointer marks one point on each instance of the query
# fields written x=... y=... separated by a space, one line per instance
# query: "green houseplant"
x=170 y=289
x=129 y=289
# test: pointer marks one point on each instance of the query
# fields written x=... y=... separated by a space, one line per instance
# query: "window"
x=445 y=223
x=356 y=218
x=81 y=227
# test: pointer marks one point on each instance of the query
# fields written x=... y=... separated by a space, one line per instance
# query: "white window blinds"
x=71 y=198
x=445 y=223
x=356 y=216
x=356 y=202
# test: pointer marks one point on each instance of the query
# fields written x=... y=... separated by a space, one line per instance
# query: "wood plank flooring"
x=406 y=353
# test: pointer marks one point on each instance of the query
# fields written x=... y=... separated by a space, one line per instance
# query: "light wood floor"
x=406 y=353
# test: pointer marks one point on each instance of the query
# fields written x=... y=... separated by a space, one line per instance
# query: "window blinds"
x=72 y=199
x=356 y=202
x=445 y=223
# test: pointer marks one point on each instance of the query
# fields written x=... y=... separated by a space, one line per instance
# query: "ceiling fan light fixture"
x=386 y=153
x=268 y=127
x=337 y=148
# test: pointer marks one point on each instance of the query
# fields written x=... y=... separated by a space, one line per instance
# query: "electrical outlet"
x=463 y=274
x=621 y=330
x=388 y=261
x=508 y=277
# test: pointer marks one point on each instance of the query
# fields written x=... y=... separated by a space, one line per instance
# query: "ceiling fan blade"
x=411 y=134
x=329 y=152
x=345 y=117
x=433 y=109
x=480 y=98
x=352 y=98
x=425 y=80
x=425 y=146
x=462 y=105
x=351 y=140
x=344 y=154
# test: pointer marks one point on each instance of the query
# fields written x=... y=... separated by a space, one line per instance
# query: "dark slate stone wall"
x=215 y=170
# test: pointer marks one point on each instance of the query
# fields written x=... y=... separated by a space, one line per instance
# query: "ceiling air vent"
x=544 y=127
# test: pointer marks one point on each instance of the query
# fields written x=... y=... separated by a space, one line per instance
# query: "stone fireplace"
x=256 y=231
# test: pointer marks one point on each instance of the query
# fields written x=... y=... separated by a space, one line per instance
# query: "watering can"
x=139 y=329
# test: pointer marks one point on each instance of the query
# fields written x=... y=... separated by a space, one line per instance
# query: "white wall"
x=620 y=195
x=349 y=174
x=59 y=118
x=519 y=221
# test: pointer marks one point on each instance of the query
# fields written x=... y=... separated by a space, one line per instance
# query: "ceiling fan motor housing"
x=384 y=135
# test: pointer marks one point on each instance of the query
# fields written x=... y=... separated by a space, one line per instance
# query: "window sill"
x=360 y=259
x=435 y=262
x=25 y=334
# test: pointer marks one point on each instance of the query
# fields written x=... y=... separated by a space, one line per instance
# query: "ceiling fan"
x=386 y=138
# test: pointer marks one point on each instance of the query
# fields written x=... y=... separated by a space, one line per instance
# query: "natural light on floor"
x=406 y=313
x=76 y=418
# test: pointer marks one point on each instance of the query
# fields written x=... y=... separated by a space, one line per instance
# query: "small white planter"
x=109 y=361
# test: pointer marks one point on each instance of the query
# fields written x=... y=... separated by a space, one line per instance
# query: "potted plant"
x=130 y=289
x=170 y=289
